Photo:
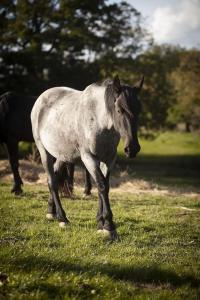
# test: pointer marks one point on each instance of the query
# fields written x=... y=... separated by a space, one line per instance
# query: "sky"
x=171 y=21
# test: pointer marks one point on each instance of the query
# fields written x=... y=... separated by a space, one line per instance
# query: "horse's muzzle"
x=131 y=152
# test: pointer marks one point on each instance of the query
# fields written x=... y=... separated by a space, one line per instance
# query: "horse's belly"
x=58 y=146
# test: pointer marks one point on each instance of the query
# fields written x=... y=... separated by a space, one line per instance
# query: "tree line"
x=74 y=43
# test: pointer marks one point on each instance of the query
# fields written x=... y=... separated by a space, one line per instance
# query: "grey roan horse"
x=68 y=124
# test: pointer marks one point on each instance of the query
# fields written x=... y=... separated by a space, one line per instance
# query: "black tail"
x=65 y=180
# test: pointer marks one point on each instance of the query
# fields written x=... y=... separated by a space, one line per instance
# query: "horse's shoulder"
x=94 y=92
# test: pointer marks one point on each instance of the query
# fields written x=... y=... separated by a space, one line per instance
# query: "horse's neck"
x=103 y=116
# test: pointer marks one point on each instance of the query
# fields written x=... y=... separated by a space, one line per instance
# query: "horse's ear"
x=139 y=84
x=117 y=85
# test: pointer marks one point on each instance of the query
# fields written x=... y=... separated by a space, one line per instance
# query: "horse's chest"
x=104 y=145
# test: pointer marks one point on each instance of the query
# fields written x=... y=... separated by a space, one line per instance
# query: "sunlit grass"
x=155 y=258
x=168 y=143
x=166 y=158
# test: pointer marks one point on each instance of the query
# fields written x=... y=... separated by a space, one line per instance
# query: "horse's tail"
x=4 y=109
x=65 y=181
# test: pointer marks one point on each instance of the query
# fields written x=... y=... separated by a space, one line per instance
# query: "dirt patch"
x=121 y=182
x=30 y=173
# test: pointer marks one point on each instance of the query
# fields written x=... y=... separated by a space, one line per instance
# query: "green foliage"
x=158 y=94
x=171 y=90
x=48 y=43
x=186 y=80
x=73 y=43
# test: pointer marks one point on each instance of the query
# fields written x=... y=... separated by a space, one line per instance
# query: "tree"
x=158 y=95
x=63 y=42
x=186 y=79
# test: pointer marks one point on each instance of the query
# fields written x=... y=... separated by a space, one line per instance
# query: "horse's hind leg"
x=12 y=147
x=88 y=184
x=54 y=203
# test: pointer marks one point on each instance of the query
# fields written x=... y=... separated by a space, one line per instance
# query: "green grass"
x=155 y=258
x=171 y=143
x=168 y=143
x=169 y=159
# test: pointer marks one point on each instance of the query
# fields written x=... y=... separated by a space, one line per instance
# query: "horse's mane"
x=110 y=96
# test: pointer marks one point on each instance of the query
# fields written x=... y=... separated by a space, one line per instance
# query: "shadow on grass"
x=167 y=170
x=134 y=274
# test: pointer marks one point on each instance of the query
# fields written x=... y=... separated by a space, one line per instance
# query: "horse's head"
x=126 y=111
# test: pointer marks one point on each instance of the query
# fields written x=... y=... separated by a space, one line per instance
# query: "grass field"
x=156 y=257
x=170 y=159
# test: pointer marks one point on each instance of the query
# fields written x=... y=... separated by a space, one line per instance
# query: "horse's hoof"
x=50 y=217
x=111 y=235
x=62 y=224
x=16 y=191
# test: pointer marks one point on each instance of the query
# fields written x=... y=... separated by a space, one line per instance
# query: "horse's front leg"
x=12 y=147
x=104 y=215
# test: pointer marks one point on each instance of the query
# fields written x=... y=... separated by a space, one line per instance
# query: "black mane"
x=131 y=103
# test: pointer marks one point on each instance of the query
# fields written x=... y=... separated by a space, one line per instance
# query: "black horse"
x=15 y=126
